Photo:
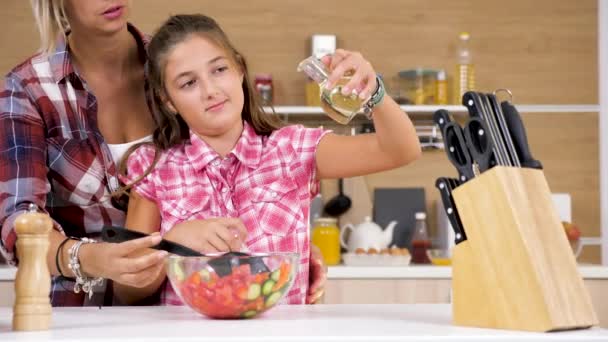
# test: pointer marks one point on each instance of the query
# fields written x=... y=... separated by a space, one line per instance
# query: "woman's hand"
x=363 y=79
x=317 y=276
x=221 y=234
x=131 y=263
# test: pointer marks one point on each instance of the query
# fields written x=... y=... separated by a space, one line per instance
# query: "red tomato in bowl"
x=240 y=294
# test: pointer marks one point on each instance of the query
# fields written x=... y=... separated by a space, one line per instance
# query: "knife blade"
x=477 y=108
x=504 y=130
x=518 y=133
x=445 y=187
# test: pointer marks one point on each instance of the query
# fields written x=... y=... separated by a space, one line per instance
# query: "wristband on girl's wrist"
x=375 y=99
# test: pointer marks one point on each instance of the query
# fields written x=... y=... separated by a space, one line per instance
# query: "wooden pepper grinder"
x=32 y=309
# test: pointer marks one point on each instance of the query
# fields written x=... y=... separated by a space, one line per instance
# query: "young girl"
x=222 y=172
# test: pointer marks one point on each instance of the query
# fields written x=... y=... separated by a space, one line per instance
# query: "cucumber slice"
x=178 y=272
x=272 y=299
x=267 y=287
x=254 y=291
x=275 y=275
x=205 y=275
x=249 y=313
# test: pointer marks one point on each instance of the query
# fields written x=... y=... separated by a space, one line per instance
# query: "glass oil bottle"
x=341 y=108
x=464 y=79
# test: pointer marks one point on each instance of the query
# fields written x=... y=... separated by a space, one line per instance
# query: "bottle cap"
x=325 y=220
x=323 y=44
x=420 y=216
x=441 y=75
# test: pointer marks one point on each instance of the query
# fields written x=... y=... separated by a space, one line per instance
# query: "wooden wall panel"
x=545 y=51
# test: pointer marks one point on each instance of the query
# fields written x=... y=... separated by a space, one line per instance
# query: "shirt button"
x=274 y=194
x=183 y=212
x=225 y=190
x=215 y=162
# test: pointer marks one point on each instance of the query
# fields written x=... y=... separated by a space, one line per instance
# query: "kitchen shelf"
x=453 y=109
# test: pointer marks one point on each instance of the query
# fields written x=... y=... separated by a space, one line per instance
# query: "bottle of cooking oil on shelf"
x=464 y=79
x=441 y=88
x=341 y=108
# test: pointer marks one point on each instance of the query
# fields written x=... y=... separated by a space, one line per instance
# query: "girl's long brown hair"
x=171 y=129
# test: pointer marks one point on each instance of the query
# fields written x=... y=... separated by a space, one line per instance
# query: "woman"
x=66 y=116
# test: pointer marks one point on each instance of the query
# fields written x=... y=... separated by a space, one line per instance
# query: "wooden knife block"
x=516 y=270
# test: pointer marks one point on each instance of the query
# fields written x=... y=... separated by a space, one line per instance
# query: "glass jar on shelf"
x=264 y=87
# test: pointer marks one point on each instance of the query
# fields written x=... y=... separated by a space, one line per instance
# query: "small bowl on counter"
x=439 y=257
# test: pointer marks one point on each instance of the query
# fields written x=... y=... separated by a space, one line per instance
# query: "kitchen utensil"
x=479 y=143
x=503 y=128
x=518 y=259
x=477 y=107
x=340 y=203
x=518 y=133
x=116 y=234
x=456 y=147
x=445 y=187
x=244 y=293
x=222 y=262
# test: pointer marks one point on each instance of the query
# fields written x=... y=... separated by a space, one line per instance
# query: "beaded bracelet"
x=86 y=284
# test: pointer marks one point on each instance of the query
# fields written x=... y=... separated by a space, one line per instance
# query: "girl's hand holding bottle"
x=362 y=78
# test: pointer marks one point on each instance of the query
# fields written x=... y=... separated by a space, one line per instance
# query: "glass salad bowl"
x=232 y=285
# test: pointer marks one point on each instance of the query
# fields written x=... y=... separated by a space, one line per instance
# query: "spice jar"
x=263 y=85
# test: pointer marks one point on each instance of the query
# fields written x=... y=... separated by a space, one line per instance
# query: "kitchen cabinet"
x=397 y=322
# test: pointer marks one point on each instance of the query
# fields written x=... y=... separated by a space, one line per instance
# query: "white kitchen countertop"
x=388 y=322
x=7 y=273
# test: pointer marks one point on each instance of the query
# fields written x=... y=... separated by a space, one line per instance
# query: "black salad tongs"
x=222 y=264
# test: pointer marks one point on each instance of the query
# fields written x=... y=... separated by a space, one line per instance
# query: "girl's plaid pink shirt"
x=268 y=182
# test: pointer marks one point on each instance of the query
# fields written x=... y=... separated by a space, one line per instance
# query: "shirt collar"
x=248 y=149
x=61 y=63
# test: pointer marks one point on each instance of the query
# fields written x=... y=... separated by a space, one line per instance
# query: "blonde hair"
x=51 y=21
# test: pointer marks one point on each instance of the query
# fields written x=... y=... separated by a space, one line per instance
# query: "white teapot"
x=367 y=235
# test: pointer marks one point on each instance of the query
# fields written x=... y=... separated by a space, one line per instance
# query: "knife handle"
x=442 y=117
x=518 y=133
x=445 y=187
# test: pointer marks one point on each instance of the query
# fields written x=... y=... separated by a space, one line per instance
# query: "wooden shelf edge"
x=454 y=109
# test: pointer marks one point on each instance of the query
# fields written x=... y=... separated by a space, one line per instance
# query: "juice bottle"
x=326 y=236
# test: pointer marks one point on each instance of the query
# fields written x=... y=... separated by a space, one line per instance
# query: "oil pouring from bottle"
x=341 y=108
